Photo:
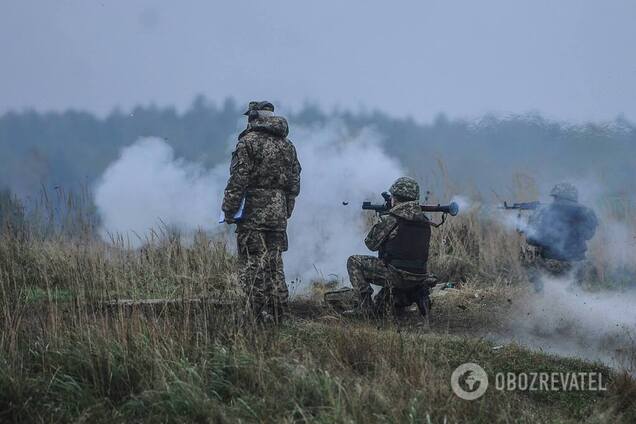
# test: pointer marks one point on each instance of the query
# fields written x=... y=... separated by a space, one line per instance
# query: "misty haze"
x=326 y=212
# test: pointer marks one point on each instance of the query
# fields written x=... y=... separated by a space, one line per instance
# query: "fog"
x=572 y=59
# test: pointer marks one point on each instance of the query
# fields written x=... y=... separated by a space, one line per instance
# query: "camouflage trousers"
x=537 y=267
x=261 y=272
x=364 y=270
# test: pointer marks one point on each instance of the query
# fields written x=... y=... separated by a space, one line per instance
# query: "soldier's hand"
x=229 y=219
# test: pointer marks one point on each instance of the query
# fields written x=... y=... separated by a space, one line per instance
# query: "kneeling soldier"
x=402 y=239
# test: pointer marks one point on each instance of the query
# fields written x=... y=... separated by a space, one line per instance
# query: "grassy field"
x=67 y=355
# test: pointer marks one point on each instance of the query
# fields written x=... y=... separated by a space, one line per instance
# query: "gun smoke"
x=148 y=187
x=566 y=320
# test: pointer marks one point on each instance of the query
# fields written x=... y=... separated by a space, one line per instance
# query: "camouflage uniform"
x=537 y=266
x=364 y=270
x=557 y=238
x=266 y=172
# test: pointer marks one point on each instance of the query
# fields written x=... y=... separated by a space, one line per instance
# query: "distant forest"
x=72 y=149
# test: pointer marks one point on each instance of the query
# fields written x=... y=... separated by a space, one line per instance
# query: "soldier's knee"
x=353 y=261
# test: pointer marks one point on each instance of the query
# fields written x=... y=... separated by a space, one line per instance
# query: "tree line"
x=71 y=149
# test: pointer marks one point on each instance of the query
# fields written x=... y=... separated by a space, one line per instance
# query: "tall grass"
x=85 y=335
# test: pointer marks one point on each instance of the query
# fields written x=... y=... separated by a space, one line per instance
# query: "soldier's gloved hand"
x=229 y=219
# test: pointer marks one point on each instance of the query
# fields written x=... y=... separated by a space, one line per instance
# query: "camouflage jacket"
x=266 y=172
x=386 y=228
x=561 y=229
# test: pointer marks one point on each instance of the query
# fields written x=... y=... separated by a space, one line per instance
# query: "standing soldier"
x=557 y=236
x=265 y=174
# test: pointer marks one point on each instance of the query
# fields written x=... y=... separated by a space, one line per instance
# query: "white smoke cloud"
x=566 y=320
x=337 y=168
x=465 y=204
x=514 y=220
x=148 y=187
x=617 y=242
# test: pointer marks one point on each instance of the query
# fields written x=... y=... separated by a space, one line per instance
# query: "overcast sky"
x=568 y=59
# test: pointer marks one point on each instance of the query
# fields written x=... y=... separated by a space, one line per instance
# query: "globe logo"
x=469 y=381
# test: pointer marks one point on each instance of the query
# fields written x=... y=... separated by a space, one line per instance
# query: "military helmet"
x=565 y=191
x=405 y=188
x=259 y=106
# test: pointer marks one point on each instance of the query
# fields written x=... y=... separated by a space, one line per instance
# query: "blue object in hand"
x=237 y=216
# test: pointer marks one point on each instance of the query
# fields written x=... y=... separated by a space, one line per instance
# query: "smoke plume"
x=147 y=186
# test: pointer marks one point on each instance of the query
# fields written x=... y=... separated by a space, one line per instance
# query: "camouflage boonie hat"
x=565 y=191
x=264 y=105
x=405 y=188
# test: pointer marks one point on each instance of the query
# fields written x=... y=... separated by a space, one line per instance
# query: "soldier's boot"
x=364 y=309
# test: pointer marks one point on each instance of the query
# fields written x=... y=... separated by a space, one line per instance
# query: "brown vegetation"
x=64 y=356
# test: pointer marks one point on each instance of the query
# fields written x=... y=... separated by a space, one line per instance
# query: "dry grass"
x=65 y=357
